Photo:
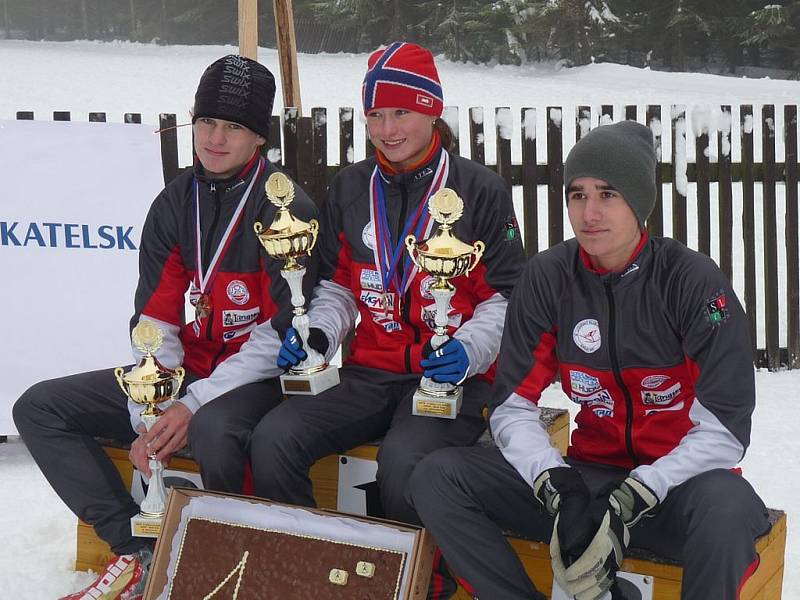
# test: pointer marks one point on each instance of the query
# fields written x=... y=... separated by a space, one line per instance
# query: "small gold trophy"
x=149 y=383
x=289 y=238
x=444 y=257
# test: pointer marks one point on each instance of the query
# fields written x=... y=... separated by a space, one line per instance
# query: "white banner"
x=74 y=199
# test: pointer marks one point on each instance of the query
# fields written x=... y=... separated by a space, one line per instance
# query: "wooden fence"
x=299 y=146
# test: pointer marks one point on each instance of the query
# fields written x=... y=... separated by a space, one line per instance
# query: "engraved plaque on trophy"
x=444 y=257
x=149 y=383
x=288 y=238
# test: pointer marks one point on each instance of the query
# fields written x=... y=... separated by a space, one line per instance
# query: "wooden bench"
x=664 y=575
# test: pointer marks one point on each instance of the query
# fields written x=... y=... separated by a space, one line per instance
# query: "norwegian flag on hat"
x=402 y=76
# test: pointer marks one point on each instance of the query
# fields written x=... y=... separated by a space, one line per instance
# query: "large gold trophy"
x=150 y=383
x=289 y=238
x=444 y=257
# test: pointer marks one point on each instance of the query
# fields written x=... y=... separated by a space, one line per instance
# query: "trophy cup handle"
x=258 y=227
x=477 y=251
x=118 y=374
x=314 y=226
x=411 y=246
x=180 y=372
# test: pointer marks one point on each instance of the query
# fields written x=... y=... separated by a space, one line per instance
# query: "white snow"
x=37 y=555
x=505 y=123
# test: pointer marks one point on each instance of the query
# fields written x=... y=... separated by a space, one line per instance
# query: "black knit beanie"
x=238 y=89
x=622 y=155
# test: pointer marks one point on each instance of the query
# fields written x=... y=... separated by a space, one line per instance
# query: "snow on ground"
x=37 y=555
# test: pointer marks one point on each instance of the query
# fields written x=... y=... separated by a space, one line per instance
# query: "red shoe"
x=122 y=579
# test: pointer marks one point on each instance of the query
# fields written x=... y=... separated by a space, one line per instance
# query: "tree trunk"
x=84 y=20
x=134 y=29
x=5 y=19
x=164 y=29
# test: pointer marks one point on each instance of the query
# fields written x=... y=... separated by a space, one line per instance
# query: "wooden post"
x=287 y=54
x=248 y=28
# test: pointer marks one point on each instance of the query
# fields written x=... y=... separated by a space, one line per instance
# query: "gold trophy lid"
x=280 y=191
x=147 y=337
x=446 y=207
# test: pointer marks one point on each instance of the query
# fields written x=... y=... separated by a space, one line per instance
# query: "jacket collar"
x=639 y=257
x=418 y=174
x=228 y=183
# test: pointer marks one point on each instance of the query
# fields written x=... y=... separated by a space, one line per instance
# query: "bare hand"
x=168 y=434
x=138 y=453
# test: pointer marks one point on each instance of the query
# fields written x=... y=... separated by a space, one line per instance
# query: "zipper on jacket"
x=216 y=358
x=612 y=343
x=207 y=251
x=407 y=317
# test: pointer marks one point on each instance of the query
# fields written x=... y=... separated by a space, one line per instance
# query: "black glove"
x=563 y=494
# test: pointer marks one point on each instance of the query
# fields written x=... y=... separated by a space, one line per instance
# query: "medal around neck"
x=149 y=384
x=444 y=257
x=289 y=239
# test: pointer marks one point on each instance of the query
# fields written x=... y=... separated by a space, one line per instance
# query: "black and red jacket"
x=350 y=282
x=657 y=356
x=248 y=295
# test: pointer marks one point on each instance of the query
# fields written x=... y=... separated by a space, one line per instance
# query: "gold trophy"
x=289 y=238
x=444 y=257
x=149 y=383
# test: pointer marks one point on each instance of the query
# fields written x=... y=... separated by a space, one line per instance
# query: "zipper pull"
x=213 y=188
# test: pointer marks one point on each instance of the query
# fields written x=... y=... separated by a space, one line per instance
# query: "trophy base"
x=142 y=526
x=310 y=384
x=429 y=405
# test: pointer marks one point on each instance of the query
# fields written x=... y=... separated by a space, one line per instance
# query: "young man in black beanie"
x=649 y=339
x=198 y=237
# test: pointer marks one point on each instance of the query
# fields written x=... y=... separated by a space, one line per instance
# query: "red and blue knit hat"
x=402 y=76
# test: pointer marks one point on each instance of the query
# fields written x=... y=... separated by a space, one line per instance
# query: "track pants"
x=467 y=497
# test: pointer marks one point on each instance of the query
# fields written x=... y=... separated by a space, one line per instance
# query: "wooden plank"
x=274 y=152
x=290 y=118
x=133 y=118
x=476 y=139
x=701 y=145
x=346 y=147
x=631 y=112
x=655 y=223
x=770 y=235
x=679 y=177
x=748 y=220
x=725 y=193
x=530 y=183
x=61 y=115
x=305 y=165
x=97 y=117
x=287 y=54
x=606 y=114
x=555 y=184
x=24 y=115
x=791 y=235
x=369 y=147
x=503 y=129
x=319 y=155
x=248 y=28
x=169 y=146
x=583 y=121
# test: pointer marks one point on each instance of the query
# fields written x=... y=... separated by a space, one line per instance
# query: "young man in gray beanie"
x=198 y=238
x=650 y=341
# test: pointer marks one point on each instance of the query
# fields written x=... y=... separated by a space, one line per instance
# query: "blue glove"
x=291 y=352
x=447 y=364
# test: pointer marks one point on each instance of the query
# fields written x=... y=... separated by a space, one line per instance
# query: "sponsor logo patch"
x=583 y=383
x=662 y=397
x=386 y=321
x=235 y=333
x=603 y=412
x=425 y=287
x=651 y=382
x=232 y=318
x=652 y=411
x=424 y=100
x=602 y=398
x=368 y=236
x=237 y=292
x=371 y=280
x=375 y=300
x=587 y=335
x=717 y=308
x=511 y=229
x=631 y=269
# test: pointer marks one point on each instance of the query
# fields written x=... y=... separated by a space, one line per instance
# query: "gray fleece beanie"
x=623 y=155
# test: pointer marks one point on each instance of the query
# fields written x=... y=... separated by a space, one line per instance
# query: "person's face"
x=603 y=222
x=224 y=147
x=402 y=135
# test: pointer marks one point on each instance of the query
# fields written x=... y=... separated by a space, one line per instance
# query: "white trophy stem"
x=300 y=320
x=442 y=302
x=155 y=501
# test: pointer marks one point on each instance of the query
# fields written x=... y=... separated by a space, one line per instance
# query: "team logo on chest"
x=587 y=335
x=237 y=292
x=368 y=235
